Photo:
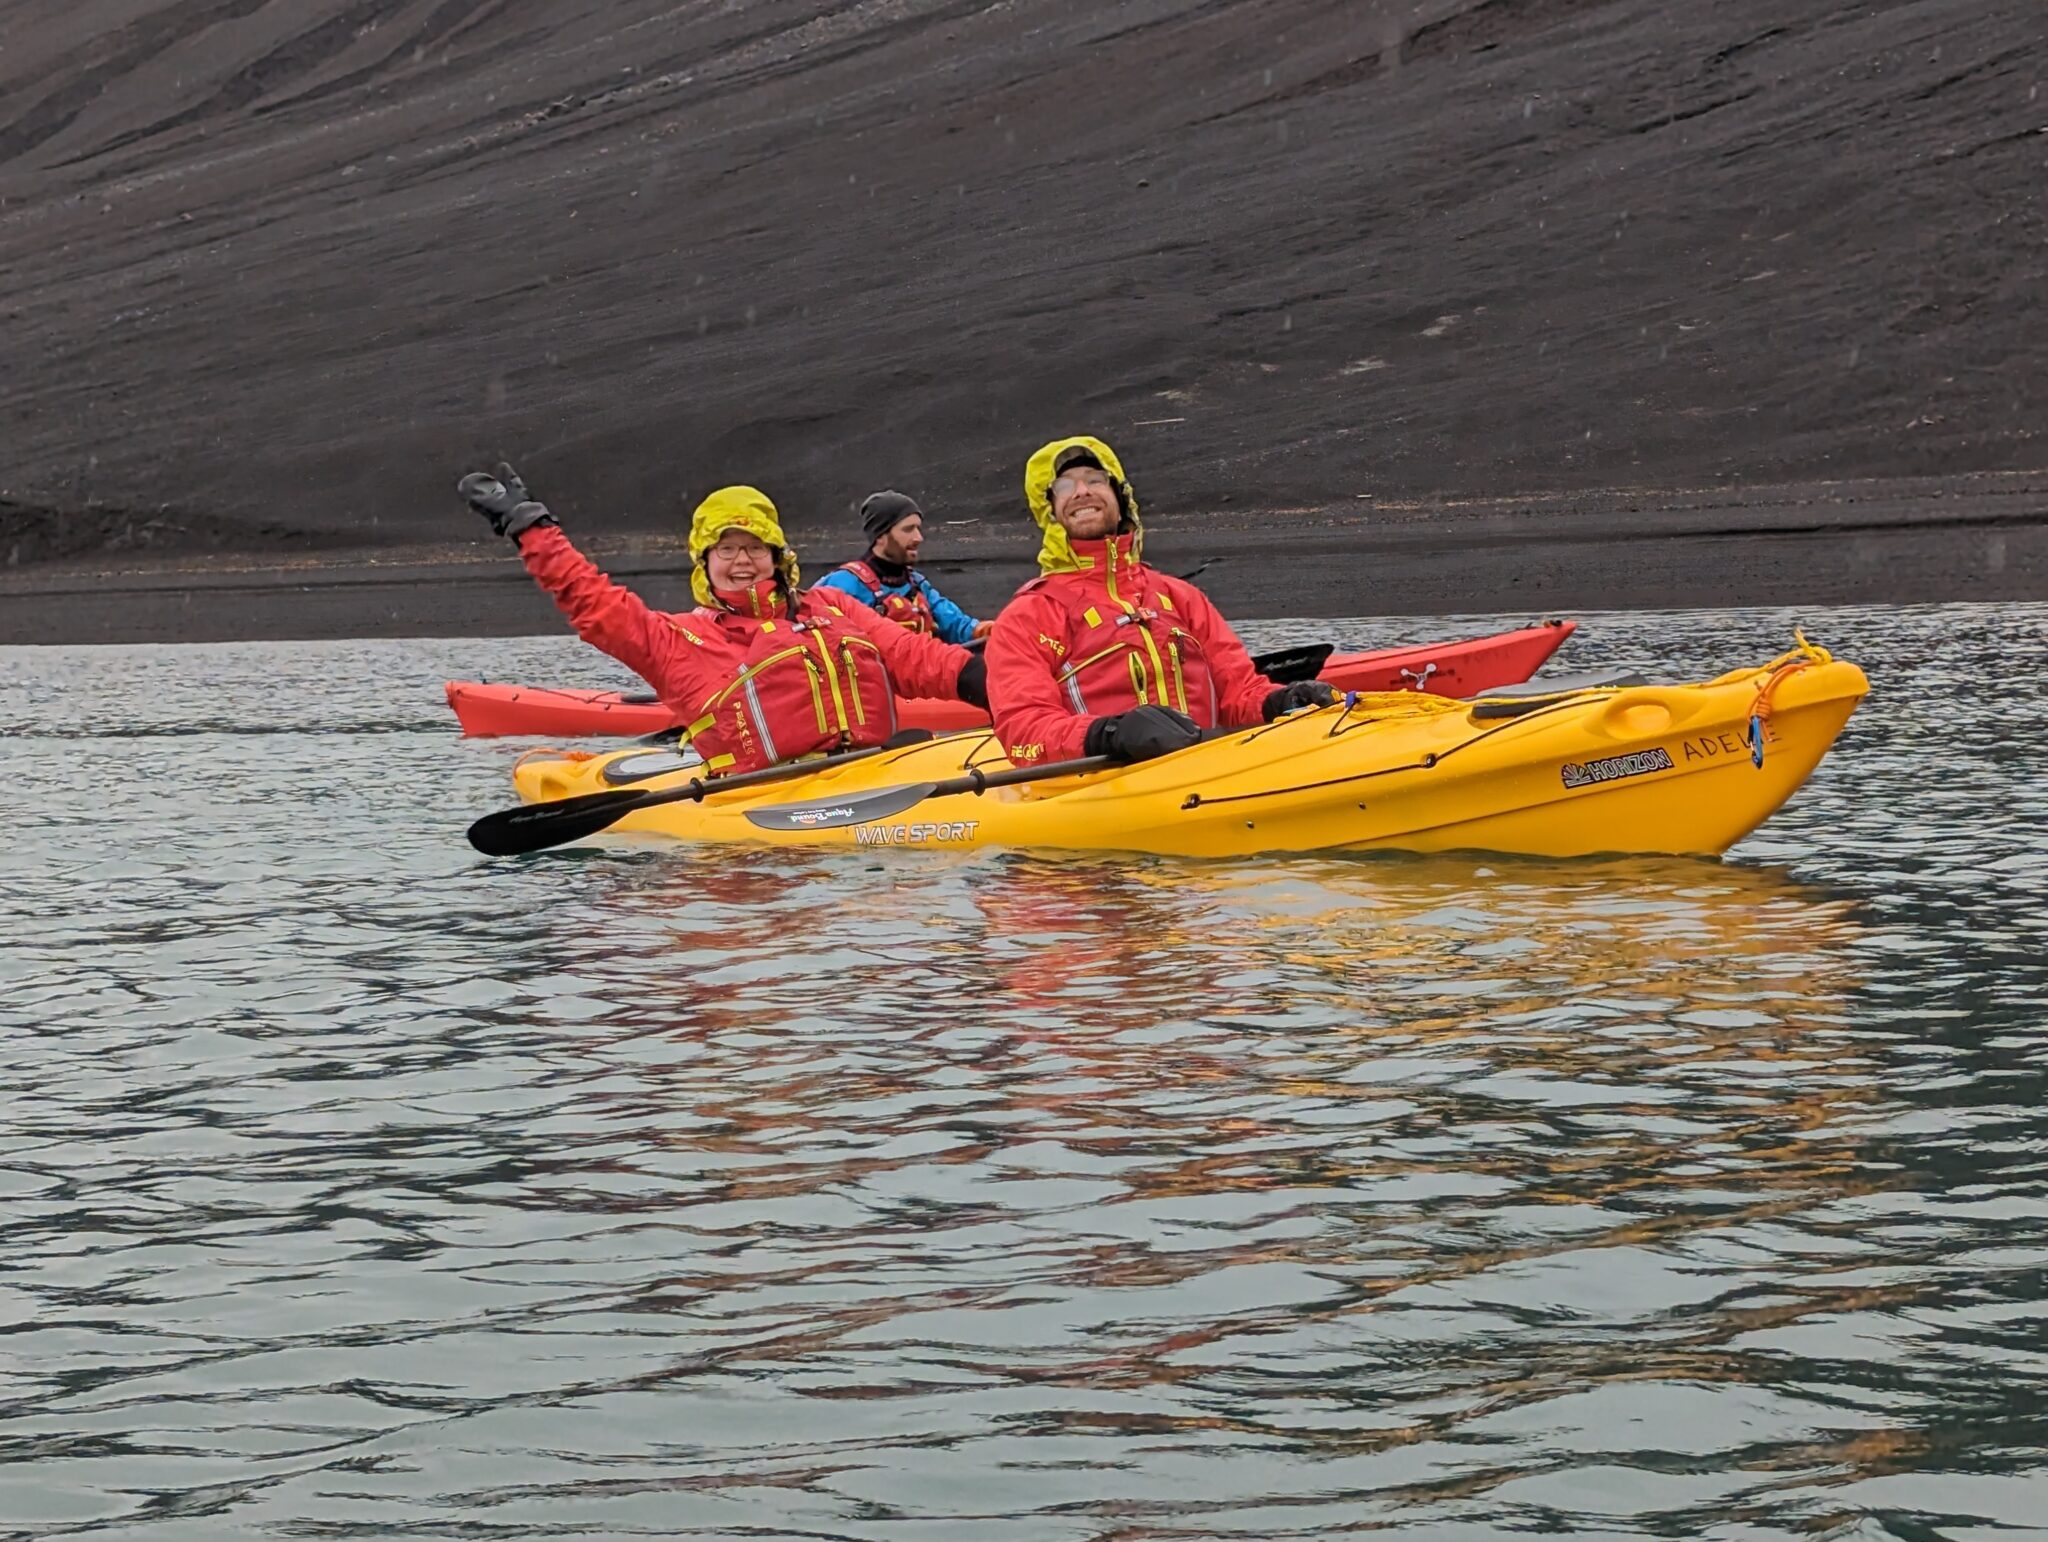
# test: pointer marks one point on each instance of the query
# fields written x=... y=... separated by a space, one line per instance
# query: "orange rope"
x=1805 y=656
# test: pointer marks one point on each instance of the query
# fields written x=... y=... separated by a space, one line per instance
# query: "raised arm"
x=606 y=615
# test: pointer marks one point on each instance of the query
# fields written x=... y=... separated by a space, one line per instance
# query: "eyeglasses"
x=1073 y=481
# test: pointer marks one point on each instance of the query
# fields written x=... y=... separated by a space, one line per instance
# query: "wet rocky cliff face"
x=298 y=262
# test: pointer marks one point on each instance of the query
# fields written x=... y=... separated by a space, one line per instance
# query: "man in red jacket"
x=1102 y=655
x=760 y=673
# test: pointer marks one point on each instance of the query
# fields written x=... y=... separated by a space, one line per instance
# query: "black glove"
x=1141 y=733
x=1292 y=698
x=504 y=501
x=972 y=686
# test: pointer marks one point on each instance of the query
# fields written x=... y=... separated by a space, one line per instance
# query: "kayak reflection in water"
x=1102 y=655
x=885 y=577
x=758 y=672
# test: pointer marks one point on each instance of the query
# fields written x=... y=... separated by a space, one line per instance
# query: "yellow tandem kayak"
x=1644 y=768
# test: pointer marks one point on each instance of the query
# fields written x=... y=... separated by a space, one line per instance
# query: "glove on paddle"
x=504 y=501
x=973 y=682
x=1292 y=698
x=1141 y=733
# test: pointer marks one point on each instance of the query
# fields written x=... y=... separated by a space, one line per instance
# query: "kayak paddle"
x=837 y=813
x=513 y=832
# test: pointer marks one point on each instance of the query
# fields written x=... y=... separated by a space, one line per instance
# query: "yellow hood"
x=736 y=508
x=1054 y=554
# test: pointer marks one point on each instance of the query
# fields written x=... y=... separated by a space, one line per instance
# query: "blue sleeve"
x=846 y=583
x=955 y=625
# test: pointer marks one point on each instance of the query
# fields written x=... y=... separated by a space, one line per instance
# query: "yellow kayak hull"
x=1661 y=769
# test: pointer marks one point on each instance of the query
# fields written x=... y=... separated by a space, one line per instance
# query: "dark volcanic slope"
x=295 y=260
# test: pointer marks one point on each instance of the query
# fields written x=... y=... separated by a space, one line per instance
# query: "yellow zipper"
x=1151 y=647
x=1137 y=672
x=831 y=679
x=846 y=647
x=1180 y=684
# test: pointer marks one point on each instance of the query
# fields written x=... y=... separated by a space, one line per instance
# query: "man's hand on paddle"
x=1141 y=734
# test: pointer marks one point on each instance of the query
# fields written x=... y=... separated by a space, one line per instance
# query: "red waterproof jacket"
x=754 y=688
x=1108 y=635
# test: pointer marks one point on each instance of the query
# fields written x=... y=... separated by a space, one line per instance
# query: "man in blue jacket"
x=886 y=578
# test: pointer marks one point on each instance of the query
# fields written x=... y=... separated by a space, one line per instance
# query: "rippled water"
x=355 y=1186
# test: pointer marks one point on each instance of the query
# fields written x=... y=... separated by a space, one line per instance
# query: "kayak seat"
x=638 y=768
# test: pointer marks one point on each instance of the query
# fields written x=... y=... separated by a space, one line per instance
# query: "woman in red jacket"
x=759 y=673
x=1102 y=655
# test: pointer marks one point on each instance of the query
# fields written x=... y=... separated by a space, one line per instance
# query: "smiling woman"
x=738 y=560
x=758 y=673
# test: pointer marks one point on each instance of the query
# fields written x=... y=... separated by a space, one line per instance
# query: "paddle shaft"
x=697 y=788
x=883 y=802
x=978 y=782
x=537 y=826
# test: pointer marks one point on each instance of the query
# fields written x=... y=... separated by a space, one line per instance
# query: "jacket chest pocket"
x=1099 y=667
x=1163 y=660
x=870 y=698
x=1147 y=664
x=768 y=682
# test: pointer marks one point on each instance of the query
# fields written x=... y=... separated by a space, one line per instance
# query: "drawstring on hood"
x=1056 y=553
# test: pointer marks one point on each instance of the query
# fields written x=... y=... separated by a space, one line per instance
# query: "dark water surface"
x=353 y=1186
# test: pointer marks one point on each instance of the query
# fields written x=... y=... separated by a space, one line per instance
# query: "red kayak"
x=1446 y=669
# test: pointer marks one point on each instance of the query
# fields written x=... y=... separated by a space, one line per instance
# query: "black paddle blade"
x=1288 y=665
x=536 y=826
x=838 y=813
